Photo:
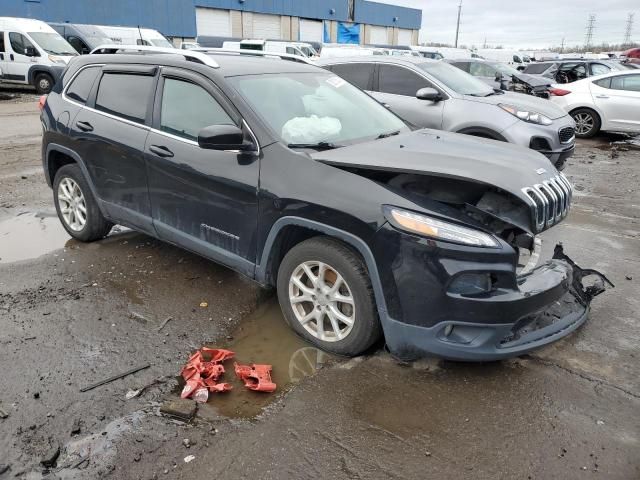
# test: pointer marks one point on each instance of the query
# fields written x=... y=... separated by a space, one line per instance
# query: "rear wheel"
x=326 y=296
x=587 y=122
x=76 y=207
x=43 y=83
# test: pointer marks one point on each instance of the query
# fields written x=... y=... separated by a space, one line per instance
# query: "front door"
x=110 y=134
x=620 y=102
x=20 y=63
x=397 y=87
x=204 y=200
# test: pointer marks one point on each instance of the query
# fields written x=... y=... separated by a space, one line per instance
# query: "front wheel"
x=76 y=206
x=43 y=83
x=587 y=122
x=326 y=296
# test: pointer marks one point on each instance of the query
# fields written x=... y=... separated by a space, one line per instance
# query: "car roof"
x=397 y=59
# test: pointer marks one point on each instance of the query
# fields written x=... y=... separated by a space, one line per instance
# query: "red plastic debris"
x=201 y=375
x=256 y=377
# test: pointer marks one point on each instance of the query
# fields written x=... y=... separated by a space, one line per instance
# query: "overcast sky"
x=522 y=23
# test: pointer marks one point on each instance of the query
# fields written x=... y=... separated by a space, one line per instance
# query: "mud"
x=72 y=314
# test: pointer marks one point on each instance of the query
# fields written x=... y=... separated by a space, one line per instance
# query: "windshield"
x=504 y=68
x=52 y=43
x=457 y=80
x=160 y=42
x=311 y=108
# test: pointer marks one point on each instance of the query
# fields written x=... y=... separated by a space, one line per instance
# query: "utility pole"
x=458 y=23
x=627 y=33
x=562 y=46
x=590 y=27
x=484 y=45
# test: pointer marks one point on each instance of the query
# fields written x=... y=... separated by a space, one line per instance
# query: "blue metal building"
x=308 y=20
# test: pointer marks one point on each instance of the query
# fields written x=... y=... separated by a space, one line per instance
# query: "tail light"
x=42 y=102
x=558 y=92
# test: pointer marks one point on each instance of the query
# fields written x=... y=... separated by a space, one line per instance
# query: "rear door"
x=204 y=200
x=397 y=87
x=359 y=74
x=110 y=134
x=618 y=97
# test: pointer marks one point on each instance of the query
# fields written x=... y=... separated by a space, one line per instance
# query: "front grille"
x=566 y=134
x=549 y=201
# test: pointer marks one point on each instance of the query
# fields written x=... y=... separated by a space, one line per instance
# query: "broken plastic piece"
x=256 y=377
x=585 y=293
x=203 y=375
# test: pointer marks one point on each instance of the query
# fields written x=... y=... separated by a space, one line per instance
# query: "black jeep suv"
x=290 y=175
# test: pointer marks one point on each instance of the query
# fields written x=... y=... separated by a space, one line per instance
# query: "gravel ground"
x=72 y=314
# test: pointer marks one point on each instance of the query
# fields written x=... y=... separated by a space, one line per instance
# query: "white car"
x=609 y=102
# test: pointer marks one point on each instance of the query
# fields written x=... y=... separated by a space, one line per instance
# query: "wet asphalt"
x=72 y=314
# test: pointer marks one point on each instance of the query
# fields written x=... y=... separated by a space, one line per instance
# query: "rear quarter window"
x=81 y=85
x=125 y=95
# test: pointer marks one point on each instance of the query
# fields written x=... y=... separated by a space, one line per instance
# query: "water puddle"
x=619 y=141
x=30 y=235
x=264 y=337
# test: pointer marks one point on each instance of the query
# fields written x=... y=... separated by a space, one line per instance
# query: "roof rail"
x=187 y=54
x=255 y=53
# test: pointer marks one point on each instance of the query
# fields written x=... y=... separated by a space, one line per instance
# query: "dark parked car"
x=503 y=77
x=567 y=71
x=295 y=178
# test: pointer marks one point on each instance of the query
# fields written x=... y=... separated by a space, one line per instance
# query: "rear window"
x=80 y=87
x=125 y=95
x=358 y=74
x=537 y=68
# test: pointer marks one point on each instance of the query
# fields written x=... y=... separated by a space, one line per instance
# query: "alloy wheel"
x=73 y=207
x=322 y=301
x=44 y=84
x=584 y=123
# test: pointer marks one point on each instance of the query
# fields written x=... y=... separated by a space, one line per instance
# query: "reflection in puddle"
x=264 y=337
x=30 y=235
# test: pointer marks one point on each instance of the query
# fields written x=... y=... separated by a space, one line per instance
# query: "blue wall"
x=176 y=18
x=382 y=14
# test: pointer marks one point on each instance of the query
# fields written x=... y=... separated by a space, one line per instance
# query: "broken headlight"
x=432 y=227
x=526 y=116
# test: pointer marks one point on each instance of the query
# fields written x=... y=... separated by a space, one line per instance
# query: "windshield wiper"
x=316 y=146
x=387 y=135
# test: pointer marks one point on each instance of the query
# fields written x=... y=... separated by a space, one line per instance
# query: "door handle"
x=84 y=126
x=1 y=56
x=11 y=56
x=602 y=96
x=161 y=151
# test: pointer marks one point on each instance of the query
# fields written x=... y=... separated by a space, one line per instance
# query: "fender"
x=54 y=71
x=483 y=131
x=355 y=242
x=54 y=147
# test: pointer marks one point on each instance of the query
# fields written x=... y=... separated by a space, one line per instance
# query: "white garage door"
x=378 y=35
x=266 y=26
x=404 y=36
x=311 y=31
x=214 y=22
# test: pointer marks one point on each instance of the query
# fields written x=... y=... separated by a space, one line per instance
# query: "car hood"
x=524 y=102
x=434 y=152
x=533 y=81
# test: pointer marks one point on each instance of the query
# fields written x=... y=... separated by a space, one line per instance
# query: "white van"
x=438 y=53
x=32 y=53
x=136 y=36
x=300 y=49
x=515 y=58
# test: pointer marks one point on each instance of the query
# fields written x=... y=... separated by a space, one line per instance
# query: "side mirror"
x=428 y=93
x=224 y=137
x=30 y=52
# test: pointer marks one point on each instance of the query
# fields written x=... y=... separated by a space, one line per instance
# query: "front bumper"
x=550 y=302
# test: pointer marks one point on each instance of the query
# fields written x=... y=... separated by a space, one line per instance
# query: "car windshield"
x=52 y=43
x=160 y=42
x=504 y=68
x=457 y=80
x=316 y=108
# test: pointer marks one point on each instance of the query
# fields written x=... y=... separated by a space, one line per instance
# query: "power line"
x=627 y=33
x=590 y=27
x=458 y=23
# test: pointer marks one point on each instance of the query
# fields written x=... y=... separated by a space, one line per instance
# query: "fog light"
x=471 y=284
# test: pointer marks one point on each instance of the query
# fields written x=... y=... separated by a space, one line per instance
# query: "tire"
x=583 y=115
x=339 y=260
x=43 y=83
x=66 y=199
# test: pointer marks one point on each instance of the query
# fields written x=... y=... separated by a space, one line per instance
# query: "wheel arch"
x=279 y=242
x=483 y=132
x=36 y=69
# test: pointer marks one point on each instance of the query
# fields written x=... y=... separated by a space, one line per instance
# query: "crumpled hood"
x=524 y=102
x=533 y=81
x=434 y=152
